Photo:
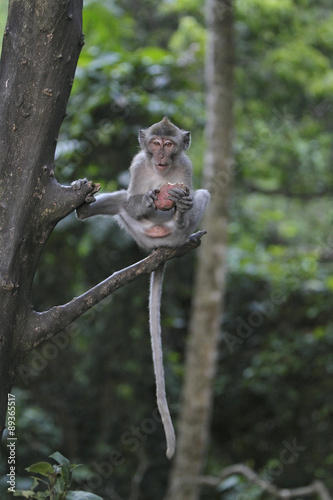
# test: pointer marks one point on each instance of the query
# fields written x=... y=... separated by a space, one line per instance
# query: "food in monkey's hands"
x=163 y=201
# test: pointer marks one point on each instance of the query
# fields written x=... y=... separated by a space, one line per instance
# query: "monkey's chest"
x=157 y=181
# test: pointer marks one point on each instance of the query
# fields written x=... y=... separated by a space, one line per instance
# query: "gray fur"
x=135 y=211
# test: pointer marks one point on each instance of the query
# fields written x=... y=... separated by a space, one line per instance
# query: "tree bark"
x=201 y=353
x=41 y=46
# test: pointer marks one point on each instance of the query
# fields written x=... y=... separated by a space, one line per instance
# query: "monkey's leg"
x=105 y=204
x=189 y=218
x=156 y=343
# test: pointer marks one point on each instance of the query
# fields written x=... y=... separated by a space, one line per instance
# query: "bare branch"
x=63 y=200
x=43 y=326
x=286 y=192
x=316 y=488
x=138 y=477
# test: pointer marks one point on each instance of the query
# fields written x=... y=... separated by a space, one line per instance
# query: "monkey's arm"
x=140 y=196
x=141 y=205
x=105 y=204
x=190 y=209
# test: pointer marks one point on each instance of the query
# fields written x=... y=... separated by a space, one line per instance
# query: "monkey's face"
x=163 y=151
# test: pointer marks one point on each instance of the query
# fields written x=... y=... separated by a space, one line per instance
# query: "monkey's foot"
x=89 y=188
x=196 y=237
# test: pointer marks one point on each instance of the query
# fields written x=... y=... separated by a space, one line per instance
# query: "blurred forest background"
x=86 y=389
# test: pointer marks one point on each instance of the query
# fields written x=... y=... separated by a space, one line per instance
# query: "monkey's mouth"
x=161 y=166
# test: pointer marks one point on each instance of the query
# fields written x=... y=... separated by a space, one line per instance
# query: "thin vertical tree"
x=207 y=308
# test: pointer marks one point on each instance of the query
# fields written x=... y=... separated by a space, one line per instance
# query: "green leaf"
x=82 y=495
x=43 y=495
x=43 y=468
x=60 y=486
x=40 y=495
x=75 y=466
x=66 y=475
x=37 y=481
x=58 y=457
x=24 y=493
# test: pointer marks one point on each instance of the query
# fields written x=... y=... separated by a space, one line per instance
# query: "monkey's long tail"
x=156 y=342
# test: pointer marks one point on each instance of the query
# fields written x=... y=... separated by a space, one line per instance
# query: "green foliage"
x=55 y=482
x=182 y=7
x=189 y=40
x=3 y=18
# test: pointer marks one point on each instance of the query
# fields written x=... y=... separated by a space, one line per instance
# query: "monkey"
x=159 y=208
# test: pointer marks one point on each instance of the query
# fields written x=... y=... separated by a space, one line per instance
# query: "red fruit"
x=162 y=202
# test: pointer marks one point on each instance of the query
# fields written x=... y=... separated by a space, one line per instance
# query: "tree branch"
x=43 y=326
x=316 y=488
x=138 y=477
x=63 y=200
x=286 y=192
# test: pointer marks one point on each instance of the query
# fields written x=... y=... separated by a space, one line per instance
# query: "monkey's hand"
x=149 y=199
x=182 y=199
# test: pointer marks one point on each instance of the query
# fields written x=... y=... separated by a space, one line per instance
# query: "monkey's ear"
x=142 y=138
x=186 y=139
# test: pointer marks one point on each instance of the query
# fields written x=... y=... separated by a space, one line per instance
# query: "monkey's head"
x=163 y=142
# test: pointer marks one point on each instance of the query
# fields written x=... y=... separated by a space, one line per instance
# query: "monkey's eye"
x=168 y=144
x=156 y=143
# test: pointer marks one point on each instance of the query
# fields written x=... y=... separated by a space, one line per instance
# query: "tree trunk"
x=201 y=354
x=41 y=46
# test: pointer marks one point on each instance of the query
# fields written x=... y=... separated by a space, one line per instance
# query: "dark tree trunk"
x=41 y=46
x=205 y=325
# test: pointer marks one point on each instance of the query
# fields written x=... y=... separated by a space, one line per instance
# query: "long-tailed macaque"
x=159 y=208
